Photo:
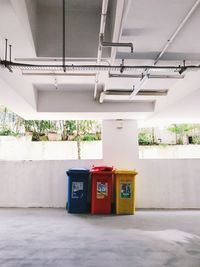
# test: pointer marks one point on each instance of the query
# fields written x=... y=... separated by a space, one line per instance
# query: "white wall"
x=22 y=148
x=160 y=183
x=170 y=152
x=36 y=183
x=172 y=183
x=120 y=145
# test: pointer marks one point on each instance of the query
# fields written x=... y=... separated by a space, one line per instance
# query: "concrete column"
x=120 y=143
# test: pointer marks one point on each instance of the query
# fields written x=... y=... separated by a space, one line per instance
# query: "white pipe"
x=177 y=31
x=102 y=30
x=169 y=42
x=150 y=76
x=101 y=98
x=138 y=86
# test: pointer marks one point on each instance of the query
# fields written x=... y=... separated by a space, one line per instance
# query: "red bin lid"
x=102 y=169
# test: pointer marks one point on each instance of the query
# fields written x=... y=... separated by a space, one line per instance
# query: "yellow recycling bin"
x=125 y=191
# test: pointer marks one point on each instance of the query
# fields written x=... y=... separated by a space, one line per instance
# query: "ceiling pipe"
x=139 y=85
x=58 y=74
x=146 y=92
x=95 y=67
x=68 y=59
x=124 y=95
x=150 y=76
x=102 y=31
x=161 y=92
x=169 y=42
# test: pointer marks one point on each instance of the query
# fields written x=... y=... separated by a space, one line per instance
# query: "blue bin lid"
x=78 y=171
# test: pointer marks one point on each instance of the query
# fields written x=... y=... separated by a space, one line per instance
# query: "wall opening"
x=176 y=141
x=48 y=140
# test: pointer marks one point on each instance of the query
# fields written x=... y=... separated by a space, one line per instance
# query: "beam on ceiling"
x=101 y=31
x=77 y=101
x=122 y=9
x=21 y=10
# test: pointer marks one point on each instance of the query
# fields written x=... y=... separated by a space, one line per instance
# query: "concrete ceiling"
x=82 y=27
x=35 y=30
x=150 y=24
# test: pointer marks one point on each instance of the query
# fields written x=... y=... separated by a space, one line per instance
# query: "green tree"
x=144 y=138
x=181 y=130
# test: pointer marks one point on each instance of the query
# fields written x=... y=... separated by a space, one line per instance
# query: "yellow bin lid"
x=124 y=171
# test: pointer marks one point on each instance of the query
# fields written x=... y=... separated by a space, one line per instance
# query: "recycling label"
x=125 y=190
x=102 y=190
x=77 y=190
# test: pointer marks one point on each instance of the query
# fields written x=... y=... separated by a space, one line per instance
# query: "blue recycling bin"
x=78 y=180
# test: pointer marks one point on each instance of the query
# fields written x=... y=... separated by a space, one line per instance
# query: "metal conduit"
x=95 y=67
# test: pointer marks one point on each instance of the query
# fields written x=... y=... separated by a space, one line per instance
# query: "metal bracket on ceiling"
x=122 y=66
x=112 y=44
x=183 y=68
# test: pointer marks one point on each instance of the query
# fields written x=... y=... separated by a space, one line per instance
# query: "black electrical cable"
x=64 y=68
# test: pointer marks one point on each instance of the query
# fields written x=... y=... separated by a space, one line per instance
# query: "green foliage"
x=28 y=125
x=70 y=126
x=184 y=134
x=195 y=140
x=89 y=137
x=11 y=124
x=144 y=139
x=6 y=132
x=181 y=130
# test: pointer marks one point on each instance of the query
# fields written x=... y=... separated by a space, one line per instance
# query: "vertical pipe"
x=10 y=46
x=102 y=30
x=6 y=49
x=64 y=68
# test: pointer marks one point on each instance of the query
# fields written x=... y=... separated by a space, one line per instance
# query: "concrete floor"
x=52 y=237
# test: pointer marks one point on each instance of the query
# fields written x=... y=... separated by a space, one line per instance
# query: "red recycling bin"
x=102 y=180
